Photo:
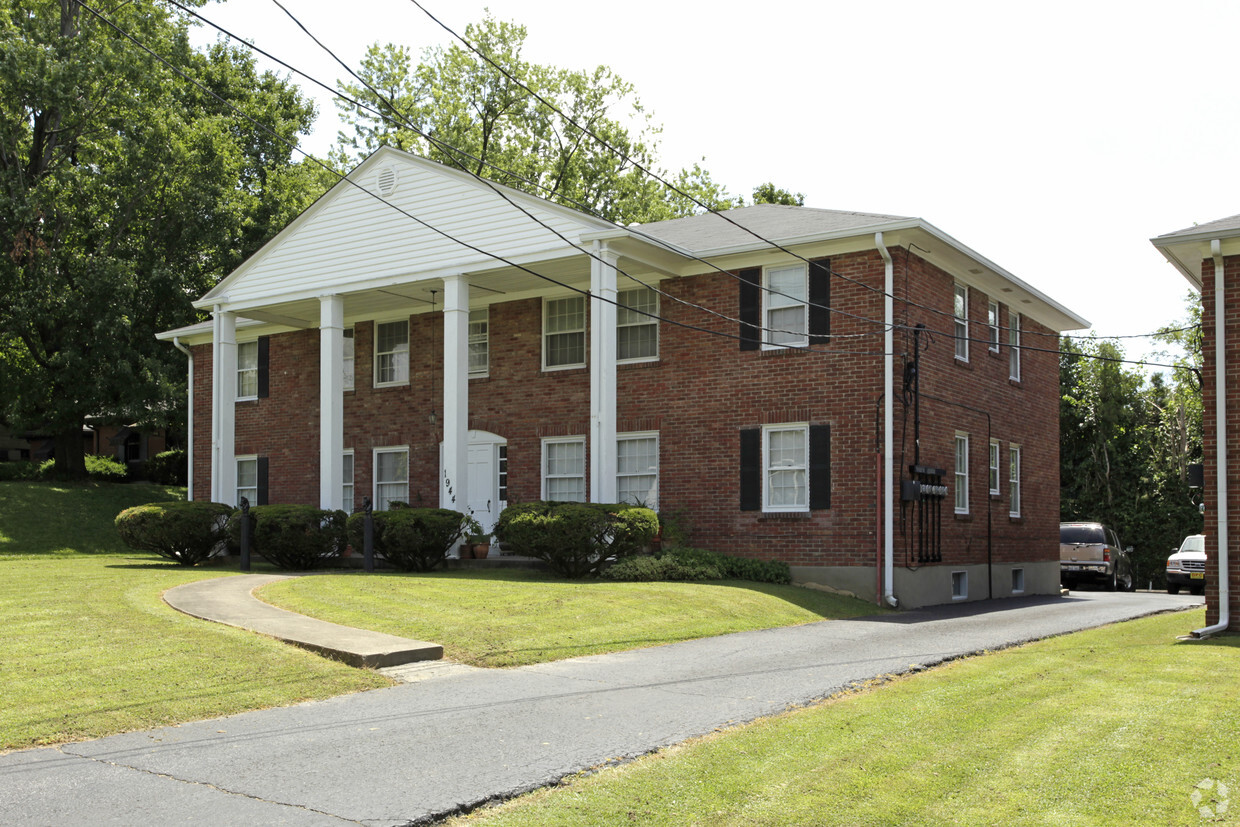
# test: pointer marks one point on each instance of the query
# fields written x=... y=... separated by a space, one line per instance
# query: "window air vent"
x=386 y=180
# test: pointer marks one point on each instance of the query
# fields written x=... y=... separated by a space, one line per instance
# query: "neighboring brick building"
x=736 y=384
x=1208 y=255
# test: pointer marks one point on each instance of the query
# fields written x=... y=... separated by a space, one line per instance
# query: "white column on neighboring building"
x=603 y=375
x=331 y=402
x=454 y=483
x=224 y=409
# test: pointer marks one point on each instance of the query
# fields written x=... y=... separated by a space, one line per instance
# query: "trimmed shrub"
x=185 y=532
x=167 y=467
x=412 y=539
x=576 y=539
x=683 y=563
x=296 y=537
x=24 y=470
x=108 y=469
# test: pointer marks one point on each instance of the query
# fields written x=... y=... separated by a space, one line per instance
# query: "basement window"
x=960 y=585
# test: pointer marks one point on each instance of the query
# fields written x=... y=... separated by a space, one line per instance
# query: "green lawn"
x=1114 y=726
x=90 y=648
x=513 y=617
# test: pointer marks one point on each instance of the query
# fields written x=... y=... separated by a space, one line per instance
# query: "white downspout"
x=189 y=422
x=889 y=596
x=1220 y=420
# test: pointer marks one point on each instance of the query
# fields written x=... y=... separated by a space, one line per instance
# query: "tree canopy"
x=584 y=144
x=126 y=193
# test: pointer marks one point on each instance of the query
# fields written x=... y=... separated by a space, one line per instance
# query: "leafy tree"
x=456 y=108
x=126 y=193
x=768 y=193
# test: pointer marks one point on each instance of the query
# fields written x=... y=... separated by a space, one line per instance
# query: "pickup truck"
x=1186 y=567
x=1091 y=553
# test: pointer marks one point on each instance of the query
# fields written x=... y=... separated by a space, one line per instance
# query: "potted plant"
x=479 y=545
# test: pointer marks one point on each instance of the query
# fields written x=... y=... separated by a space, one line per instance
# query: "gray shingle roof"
x=775 y=222
x=1222 y=225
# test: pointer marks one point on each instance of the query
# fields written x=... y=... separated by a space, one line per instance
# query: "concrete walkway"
x=231 y=601
x=417 y=752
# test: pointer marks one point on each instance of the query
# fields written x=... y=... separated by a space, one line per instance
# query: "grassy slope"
x=514 y=617
x=1113 y=726
x=90 y=648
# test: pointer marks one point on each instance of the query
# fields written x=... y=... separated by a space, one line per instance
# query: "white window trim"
x=996 y=466
x=1014 y=346
x=237 y=476
x=485 y=372
x=241 y=370
x=585 y=465
x=653 y=322
x=767 y=430
x=374 y=346
x=641 y=435
x=374 y=474
x=1015 y=493
x=962 y=335
x=992 y=310
x=960 y=479
x=767 y=327
x=347 y=374
x=349 y=484
x=584 y=330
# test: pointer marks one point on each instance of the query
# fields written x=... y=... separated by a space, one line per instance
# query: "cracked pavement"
x=423 y=750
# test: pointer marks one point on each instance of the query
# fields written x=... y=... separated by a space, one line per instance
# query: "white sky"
x=1054 y=138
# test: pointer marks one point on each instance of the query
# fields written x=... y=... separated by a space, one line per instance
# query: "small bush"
x=295 y=537
x=576 y=539
x=105 y=469
x=167 y=467
x=698 y=564
x=24 y=470
x=186 y=532
x=412 y=539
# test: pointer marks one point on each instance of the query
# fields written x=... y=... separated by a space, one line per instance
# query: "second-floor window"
x=786 y=297
x=479 y=342
x=564 y=332
x=960 y=310
x=637 y=328
x=392 y=353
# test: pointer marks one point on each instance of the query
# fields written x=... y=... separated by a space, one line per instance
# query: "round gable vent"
x=386 y=180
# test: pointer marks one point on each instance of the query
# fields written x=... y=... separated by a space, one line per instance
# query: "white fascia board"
x=1186 y=251
x=1069 y=321
x=200 y=334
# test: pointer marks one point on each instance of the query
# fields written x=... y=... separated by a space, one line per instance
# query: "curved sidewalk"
x=231 y=601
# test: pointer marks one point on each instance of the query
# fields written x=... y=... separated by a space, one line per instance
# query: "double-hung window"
x=1014 y=347
x=637 y=469
x=786 y=297
x=564 y=333
x=960 y=310
x=479 y=342
x=349 y=360
x=248 y=481
x=992 y=320
x=247 y=370
x=637 y=325
x=785 y=464
x=347 y=476
x=994 y=467
x=564 y=469
x=1014 y=479
x=392 y=353
x=962 y=473
x=391 y=477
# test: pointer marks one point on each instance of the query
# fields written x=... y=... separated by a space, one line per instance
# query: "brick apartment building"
x=420 y=335
x=1208 y=255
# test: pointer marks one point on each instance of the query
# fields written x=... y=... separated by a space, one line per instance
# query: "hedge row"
x=167 y=468
x=698 y=564
x=576 y=539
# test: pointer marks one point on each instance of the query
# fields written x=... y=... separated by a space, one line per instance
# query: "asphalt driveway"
x=434 y=747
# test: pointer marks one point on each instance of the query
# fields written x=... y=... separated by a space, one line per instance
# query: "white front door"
x=488 y=472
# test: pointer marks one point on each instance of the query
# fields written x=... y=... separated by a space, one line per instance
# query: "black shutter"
x=262 y=481
x=819 y=301
x=751 y=469
x=264 y=352
x=751 y=308
x=819 y=466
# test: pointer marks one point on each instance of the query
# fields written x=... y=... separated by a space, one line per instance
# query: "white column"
x=224 y=409
x=331 y=402
x=453 y=482
x=603 y=375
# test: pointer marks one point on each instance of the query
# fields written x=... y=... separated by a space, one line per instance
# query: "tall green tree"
x=456 y=108
x=768 y=193
x=126 y=192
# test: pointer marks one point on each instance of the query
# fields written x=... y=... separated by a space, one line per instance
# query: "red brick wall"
x=698 y=396
x=1231 y=277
